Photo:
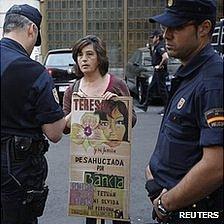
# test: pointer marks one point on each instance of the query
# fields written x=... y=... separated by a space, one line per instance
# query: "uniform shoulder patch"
x=55 y=94
x=215 y=118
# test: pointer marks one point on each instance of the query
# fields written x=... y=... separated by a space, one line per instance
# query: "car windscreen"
x=59 y=60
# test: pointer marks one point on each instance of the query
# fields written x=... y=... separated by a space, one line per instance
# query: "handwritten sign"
x=100 y=155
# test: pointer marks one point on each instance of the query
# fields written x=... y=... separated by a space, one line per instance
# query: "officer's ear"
x=204 y=28
x=32 y=29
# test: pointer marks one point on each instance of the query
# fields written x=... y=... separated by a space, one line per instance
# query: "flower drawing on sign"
x=87 y=132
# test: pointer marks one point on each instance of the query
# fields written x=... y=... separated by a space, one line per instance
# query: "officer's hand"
x=108 y=95
x=158 y=67
x=155 y=203
x=148 y=173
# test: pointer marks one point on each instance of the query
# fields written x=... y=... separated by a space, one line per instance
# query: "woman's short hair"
x=99 y=46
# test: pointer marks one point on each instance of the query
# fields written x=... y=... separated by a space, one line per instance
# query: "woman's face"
x=88 y=60
x=114 y=128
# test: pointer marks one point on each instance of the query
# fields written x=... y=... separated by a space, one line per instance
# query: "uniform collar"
x=195 y=62
x=13 y=45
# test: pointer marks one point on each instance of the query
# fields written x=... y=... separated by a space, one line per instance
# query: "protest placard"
x=100 y=155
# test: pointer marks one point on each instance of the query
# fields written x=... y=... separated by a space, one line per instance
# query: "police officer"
x=29 y=111
x=185 y=172
x=159 y=61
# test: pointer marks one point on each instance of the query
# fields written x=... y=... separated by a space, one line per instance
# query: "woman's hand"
x=68 y=120
x=108 y=95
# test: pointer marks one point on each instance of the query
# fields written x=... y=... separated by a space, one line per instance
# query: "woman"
x=89 y=53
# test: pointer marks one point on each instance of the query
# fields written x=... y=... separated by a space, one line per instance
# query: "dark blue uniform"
x=193 y=119
x=28 y=100
x=159 y=77
x=27 y=93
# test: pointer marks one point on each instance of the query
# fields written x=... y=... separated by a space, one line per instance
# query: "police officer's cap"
x=29 y=12
x=179 y=12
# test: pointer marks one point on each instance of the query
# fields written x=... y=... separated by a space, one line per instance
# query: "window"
x=105 y=14
x=50 y=26
x=89 y=25
x=79 y=4
x=57 y=4
x=130 y=3
x=105 y=4
x=71 y=4
x=57 y=15
x=98 y=26
x=79 y=26
x=64 y=5
x=120 y=4
x=50 y=15
x=79 y=15
x=72 y=15
x=139 y=3
x=97 y=4
x=90 y=4
x=105 y=25
x=57 y=37
x=139 y=25
x=57 y=26
x=49 y=4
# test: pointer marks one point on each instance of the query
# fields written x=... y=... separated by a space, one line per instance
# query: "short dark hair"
x=99 y=46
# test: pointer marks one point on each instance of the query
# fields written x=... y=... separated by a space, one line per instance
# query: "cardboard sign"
x=100 y=156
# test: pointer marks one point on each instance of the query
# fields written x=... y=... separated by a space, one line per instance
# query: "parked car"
x=139 y=73
x=61 y=67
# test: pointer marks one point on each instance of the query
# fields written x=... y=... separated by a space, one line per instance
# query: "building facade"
x=122 y=24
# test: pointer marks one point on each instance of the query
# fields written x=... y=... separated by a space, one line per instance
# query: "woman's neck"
x=94 y=86
x=93 y=78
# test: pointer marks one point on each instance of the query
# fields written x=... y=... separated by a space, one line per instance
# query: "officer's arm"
x=164 y=60
x=204 y=178
x=54 y=130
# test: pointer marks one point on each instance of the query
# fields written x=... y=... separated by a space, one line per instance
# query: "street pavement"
x=144 y=138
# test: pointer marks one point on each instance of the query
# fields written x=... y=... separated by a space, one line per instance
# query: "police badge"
x=180 y=103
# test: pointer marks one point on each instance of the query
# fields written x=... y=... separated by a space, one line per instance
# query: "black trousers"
x=161 y=84
x=30 y=173
x=158 y=83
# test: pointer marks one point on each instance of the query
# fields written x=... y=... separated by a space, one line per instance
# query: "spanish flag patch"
x=215 y=118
